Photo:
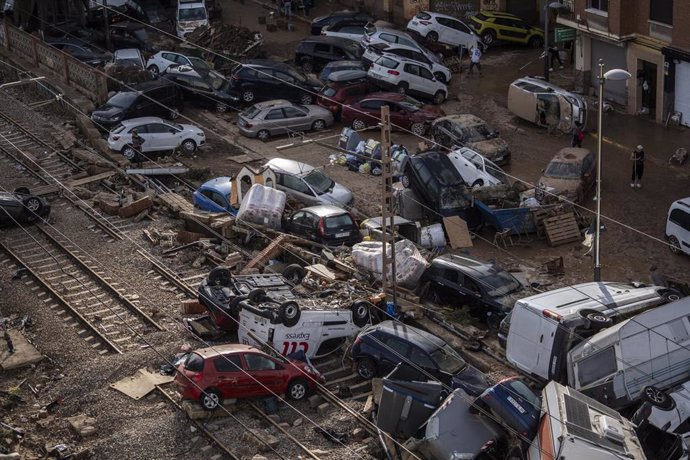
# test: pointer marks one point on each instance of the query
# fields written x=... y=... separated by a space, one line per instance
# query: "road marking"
x=611 y=142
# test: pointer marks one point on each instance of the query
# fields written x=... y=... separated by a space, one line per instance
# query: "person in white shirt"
x=475 y=56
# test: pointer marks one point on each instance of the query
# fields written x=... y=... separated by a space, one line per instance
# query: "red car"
x=406 y=113
x=235 y=371
x=341 y=88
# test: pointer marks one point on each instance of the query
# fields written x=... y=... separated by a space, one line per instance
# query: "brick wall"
x=681 y=20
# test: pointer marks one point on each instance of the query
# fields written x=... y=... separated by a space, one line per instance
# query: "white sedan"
x=475 y=169
x=159 y=62
x=159 y=136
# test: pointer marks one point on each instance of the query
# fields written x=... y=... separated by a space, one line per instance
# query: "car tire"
x=674 y=245
x=257 y=295
x=297 y=389
x=405 y=180
x=289 y=313
x=306 y=99
x=221 y=107
x=153 y=68
x=219 y=276
x=248 y=95
x=234 y=305
x=489 y=37
x=418 y=128
x=671 y=295
x=188 y=146
x=130 y=153
x=32 y=208
x=402 y=88
x=535 y=42
x=318 y=125
x=294 y=273
x=358 y=124
x=366 y=368
x=360 y=312
x=210 y=399
x=478 y=183
x=307 y=66
x=263 y=135
x=595 y=319
x=439 y=97
x=432 y=36
x=174 y=113
x=657 y=398
x=493 y=320
x=440 y=77
x=22 y=191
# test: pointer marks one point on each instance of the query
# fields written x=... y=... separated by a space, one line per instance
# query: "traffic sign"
x=564 y=34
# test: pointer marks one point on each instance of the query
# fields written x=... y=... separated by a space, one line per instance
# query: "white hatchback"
x=159 y=136
x=159 y=62
x=373 y=52
x=405 y=76
x=444 y=29
x=476 y=170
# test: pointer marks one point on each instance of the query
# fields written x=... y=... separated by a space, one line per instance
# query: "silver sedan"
x=271 y=118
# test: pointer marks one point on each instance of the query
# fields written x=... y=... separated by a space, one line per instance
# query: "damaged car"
x=570 y=174
x=467 y=130
x=21 y=207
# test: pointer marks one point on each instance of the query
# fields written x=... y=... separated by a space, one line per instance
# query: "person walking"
x=578 y=136
x=555 y=54
x=287 y=4
x=637 y=157
x=137 y=142
x=475 y=57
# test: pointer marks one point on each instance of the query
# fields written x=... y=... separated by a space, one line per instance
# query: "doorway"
x=646 y=84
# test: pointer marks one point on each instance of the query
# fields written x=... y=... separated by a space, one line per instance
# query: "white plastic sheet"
x=262 y=205
x=409 y=262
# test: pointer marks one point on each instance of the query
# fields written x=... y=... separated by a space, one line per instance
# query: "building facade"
x=648 y=38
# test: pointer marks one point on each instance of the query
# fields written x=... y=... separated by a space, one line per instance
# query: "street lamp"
x=547 y=6
x=613 y=75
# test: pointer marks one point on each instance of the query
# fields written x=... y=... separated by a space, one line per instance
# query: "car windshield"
x=191 y=14
x=129 y=62
x=477 y=133
x=560 y=170
x=499 y=283
x=328 y=91
x=194 y=363
x=319 y=181
x=411 y=104
x=251 y=112
x=453 y=198
x=339 y=221
x=199 y=64
x=518 y=388
x=123 y=99
x=448 y=360
x=496 y=171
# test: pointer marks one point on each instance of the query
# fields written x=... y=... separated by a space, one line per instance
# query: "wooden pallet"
x=561 y=229
x=176 y=202
x=269 y=252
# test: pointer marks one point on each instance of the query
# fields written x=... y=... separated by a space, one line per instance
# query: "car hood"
x=472 y=380
x=313 y=83
x=191 y=129
x=561 y=186
x=508 y=300
x=339 y=195
x=432 y=111
x=107 y=111
x=490 y=148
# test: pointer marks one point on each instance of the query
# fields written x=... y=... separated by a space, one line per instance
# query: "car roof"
x=266 y=63
x=539 y=81
x=386 y=96
x=324 y=210
x=126 y=53
x=218 y=350
x=571 y=155
x=142 y=121
x=428 y=342
x=347 y=75
x=462 y=119
x=222 y=184
x=289 y=166
x=343 y=63
x=467 y=265
x=272 y=103
x=440 y=15
x=148 y=85
x=388 y=30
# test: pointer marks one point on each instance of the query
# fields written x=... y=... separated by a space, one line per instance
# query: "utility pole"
x=387 y=218
x=106 y=26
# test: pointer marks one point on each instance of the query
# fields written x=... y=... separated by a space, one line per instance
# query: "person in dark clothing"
x=555 y=54
x=637 y=157
x=578 y=136
x=137 y=142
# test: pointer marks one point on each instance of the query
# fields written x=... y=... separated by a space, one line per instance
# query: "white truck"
x=190 y=15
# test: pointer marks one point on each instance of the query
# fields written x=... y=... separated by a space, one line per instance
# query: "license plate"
x=342 y=235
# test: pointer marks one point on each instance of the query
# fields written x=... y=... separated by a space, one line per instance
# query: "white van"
x=678 y=226
x=545 y=326
x=651 y=349
x=576 y=427
x=190 y=15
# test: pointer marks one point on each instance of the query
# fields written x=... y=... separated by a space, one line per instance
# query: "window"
x=215 y=197
x=339 y=221
x=388 y=38
x=451 y=275
x=505 y=22
x=425 y=73
x=322 y=48
x=411 y=69
x=459 y=26
x=387 y=62
x=259 y=363
x=295 y=183
x=194 y=363
x=601 y=5
x=596 y=367
x=372 y=104
x=228 y=363
x=680 y=217
x=421 y=359
x=305 y=219
x=444 y=22
x=200 y=85
x=143 y=129
x=275 y=114
x=294 y=112
x=396 y=346
x=284 y=77
x=158 y=128
x=661 y=11
x=406 y=42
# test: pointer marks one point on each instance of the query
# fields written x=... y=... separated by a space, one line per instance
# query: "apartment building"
x=649 y=38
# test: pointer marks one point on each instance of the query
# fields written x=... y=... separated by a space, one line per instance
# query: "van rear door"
x=530 y=340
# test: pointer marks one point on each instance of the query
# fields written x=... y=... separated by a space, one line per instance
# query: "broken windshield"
x=448 y=360
x=558 y=170
x=319 y=181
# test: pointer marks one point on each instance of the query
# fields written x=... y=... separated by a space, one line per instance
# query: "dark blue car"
x=214 y=196
x=379 y=348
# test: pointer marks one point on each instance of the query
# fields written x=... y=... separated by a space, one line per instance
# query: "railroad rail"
x=84 y=290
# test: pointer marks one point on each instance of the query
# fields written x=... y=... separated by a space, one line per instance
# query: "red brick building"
x=649 y=38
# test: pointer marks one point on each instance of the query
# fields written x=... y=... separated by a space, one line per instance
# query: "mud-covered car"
x=21 y=207
x=467 y=130
x=570 y=174
x=264 y=309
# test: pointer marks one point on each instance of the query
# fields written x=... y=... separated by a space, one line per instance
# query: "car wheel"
x=493 y=320
x=129 y=153
x=405 y=181
x=478 y=183
x=33 y=208
x=671 y=296
x=658 y=398
x=289 y=313
x=210 y=399
x=307 y=66
x=318 y=125
x=360 y=312
x=306 y=99
x=174 y=113
x=674 y=244
x=402 y=88
x=440 y=77
x=293 y=273
x=366 y=368
x=358 y=124
x=489 y=37
x=439 y=97
x=188 y=146
x=247 y=95
x=22 y=191
x=153 y=68
x=595 y=319
x=432 y=36
x=535 y=42
x=263 y=135
x=222 y=107
x=297 y=389
x=257 y=295
x=418 y=128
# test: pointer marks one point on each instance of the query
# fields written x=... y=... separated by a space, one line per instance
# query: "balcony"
x=597 y=20
x=660 y=31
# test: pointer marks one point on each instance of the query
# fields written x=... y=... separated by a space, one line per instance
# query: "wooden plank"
x=561 y=229
x=458 y=233
x=272 y=250
x=89 y=179
x=241 y=159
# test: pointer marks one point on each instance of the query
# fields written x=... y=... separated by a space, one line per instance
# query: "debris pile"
x=227 y=40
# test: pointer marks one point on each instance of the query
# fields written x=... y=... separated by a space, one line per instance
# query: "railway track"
x=104 y=311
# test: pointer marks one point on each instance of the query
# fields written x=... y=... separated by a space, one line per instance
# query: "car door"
x=399 y=116
x=304 y=223
x=461 y=34
x=285 y=86
x=372 y=109
x=149 y=144
x=470 y=290
x=295 y=186
x=465 y=166
x=166 y=60
x=274 y=121
x=230 y=378
x=393 y=351
x=185 y=84
x=205 y=95
x=446 y=282
x=423 y=361
x=166 y=136
x=268 y=375
x=297 y=118
x=445 y=31
x=214 y=200
x=412 y=78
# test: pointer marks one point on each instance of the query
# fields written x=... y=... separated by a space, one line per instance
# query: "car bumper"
x=188 y=391
x=383 y=84
x=248 y=132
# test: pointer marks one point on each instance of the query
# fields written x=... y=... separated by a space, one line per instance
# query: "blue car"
x=214 y=196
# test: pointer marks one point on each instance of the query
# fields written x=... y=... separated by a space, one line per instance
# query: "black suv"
x=313 y=53
x=435 y=179
x=336 y=16
x=380 y=348
x=485 y=288
x=207 y=89
x=265 y=80
x=150 y=99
